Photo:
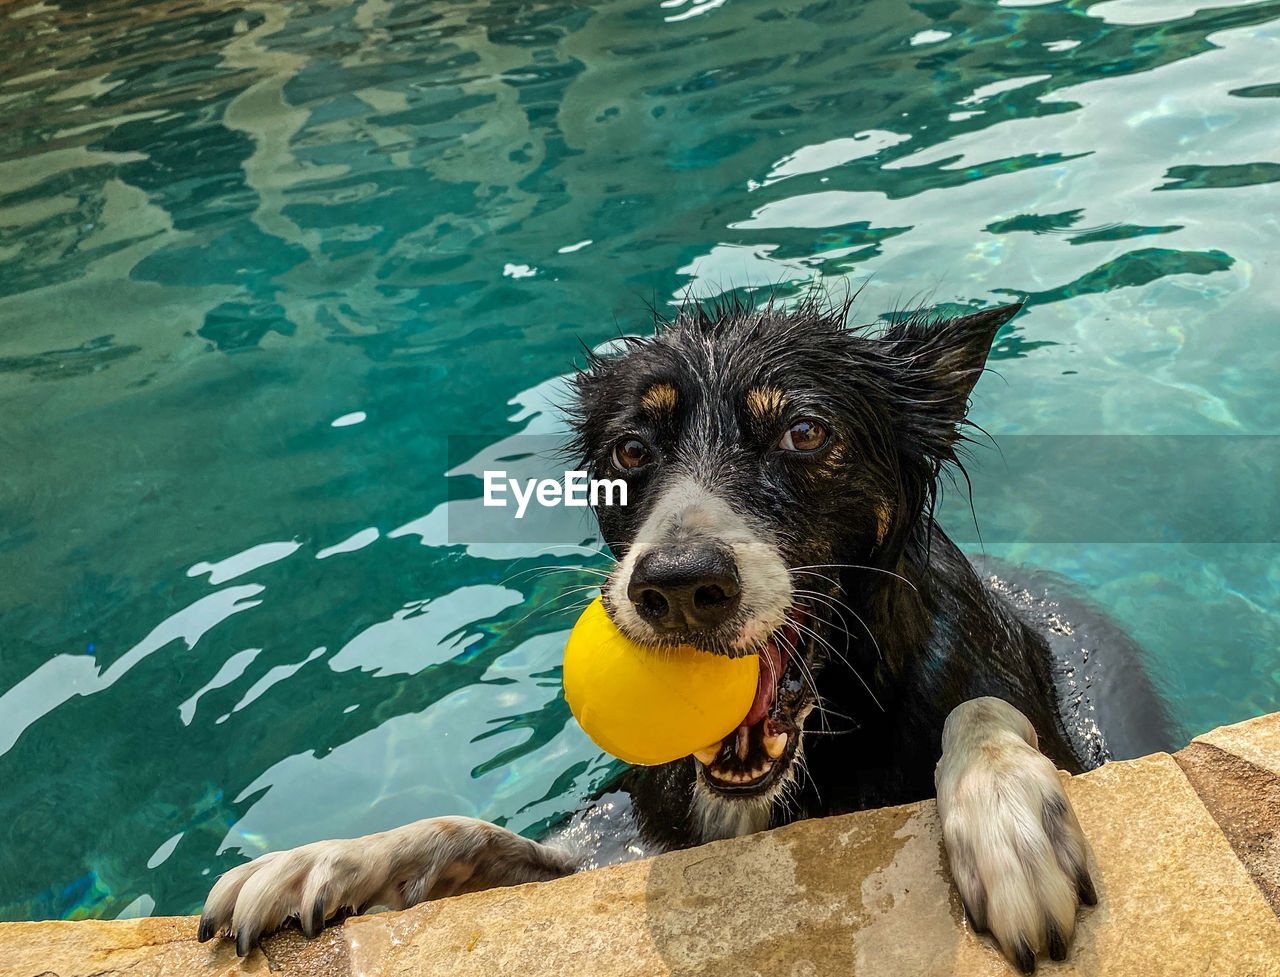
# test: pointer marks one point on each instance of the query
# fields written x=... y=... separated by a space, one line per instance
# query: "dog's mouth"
x=757 y=754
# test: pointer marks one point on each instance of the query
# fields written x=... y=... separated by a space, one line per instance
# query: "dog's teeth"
x=744 y=742
x=708 y=755
x=775 y=744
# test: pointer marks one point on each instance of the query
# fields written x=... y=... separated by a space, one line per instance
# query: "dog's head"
x=766 y=452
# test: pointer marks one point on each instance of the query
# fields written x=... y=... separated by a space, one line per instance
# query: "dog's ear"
x=936 y=364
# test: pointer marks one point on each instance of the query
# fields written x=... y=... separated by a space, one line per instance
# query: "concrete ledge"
x=1187 y=870
x=1236 y=772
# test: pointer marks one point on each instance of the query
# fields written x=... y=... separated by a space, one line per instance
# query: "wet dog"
x=782 y=471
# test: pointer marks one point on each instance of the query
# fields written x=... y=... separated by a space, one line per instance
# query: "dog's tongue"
x=772 y=662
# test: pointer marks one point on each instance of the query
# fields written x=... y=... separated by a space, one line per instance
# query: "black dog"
x=782 y=471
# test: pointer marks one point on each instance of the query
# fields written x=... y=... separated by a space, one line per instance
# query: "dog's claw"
x=313 y=922
x=1025 y=958
x=244 y=942
x=206 y=930
x=1057 y=945
x=976 y=918
x=1084 y=888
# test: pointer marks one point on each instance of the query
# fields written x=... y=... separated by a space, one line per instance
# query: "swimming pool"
x=260 y=263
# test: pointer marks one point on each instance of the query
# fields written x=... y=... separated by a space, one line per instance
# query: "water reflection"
x=451 y=759
x=423 y=632
x=64 y=676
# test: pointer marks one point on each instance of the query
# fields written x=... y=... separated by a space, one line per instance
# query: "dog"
x=782 y=471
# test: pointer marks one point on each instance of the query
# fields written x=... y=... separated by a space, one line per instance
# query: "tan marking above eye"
x=659 y=399
x=884 y=516
x=765 y=403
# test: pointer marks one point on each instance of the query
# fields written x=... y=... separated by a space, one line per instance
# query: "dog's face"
x=766 y=453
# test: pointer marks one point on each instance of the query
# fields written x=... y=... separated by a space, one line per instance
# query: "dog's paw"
x=329 y=880
x=1018 y=857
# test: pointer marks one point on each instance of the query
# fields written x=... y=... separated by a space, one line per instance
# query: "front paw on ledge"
x=1017 y=854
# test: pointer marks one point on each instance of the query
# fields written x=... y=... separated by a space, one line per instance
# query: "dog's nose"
x=686 y=587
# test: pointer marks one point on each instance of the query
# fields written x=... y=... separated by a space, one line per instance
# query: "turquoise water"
x=258 y=262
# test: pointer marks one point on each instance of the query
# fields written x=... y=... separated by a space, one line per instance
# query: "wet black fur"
x=923 y=631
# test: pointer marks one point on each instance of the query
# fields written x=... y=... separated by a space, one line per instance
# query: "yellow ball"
x=651 y=704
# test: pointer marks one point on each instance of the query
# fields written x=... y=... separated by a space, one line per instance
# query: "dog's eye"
x=631 y=452
x=805 y=435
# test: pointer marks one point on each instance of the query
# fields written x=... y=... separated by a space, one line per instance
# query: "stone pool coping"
x=1187 y=866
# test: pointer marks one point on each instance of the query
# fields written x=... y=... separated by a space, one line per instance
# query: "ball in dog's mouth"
x=758 y=752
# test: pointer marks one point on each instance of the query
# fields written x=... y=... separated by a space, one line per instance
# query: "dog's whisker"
x=826 y=600
x=836 y=608
x=849 y=665
x=806 y=674
x=773 y=675
x=549 y=608
x=821 y=576
x=802 y=770
x=856 y=566
x=803 y=628
x=595 y=585
x=577 y=590
x=839 y=606
x=539 y=572
x=596 y=581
